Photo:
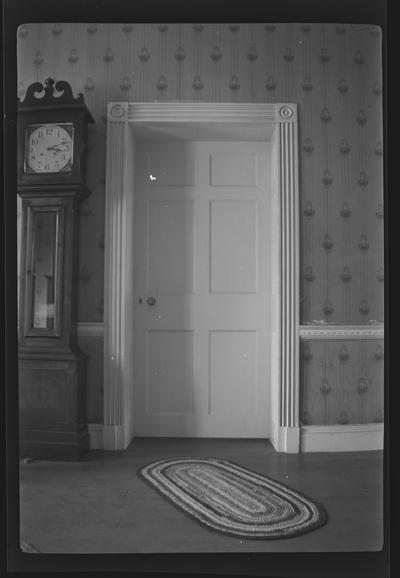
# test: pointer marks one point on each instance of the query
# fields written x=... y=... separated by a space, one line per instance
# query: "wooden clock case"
x=52 y=372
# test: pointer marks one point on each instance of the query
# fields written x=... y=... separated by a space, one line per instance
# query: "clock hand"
x=57 y=147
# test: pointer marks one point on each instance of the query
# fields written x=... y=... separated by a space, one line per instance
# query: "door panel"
x=233 y=170
x=170 y=246
x=169 y=372
x=171 y=170
x=202 y=238
x=233 y=251
x=233 y=372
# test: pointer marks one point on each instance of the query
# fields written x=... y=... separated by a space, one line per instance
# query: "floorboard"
x=100 y=505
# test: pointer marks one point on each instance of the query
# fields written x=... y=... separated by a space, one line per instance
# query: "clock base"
x=52 y=406
x=54 y=445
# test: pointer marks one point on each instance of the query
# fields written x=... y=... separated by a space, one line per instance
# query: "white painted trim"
x=113 y=437
x=289 y=275
x=89 y=329
x=104 y=437
x=114 y=288
x=183 y=112
x=341 y=332
x=96 y=436
x=118 y=276
x=342 y=438
x=287 y=440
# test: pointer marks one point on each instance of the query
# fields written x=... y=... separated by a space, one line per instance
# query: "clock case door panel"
x=65 y=209
x=43 y=296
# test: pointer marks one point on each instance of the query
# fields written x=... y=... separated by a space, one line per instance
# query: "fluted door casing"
x=277 y=125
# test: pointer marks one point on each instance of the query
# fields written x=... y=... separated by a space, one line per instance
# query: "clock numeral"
x=46 y=167
x=49 y=131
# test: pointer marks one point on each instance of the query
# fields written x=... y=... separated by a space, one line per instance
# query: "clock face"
x=49 y=148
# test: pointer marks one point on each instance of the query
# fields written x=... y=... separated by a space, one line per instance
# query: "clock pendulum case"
x=52 y=139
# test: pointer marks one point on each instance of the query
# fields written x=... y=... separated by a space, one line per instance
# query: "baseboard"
x=114 y=438
x=336 y=438
x=107 y=437
x=60 y=445
x=342 y=438
x=287 y=440
x=96 y=436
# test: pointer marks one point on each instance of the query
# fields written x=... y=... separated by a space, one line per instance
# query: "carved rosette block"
x=118 y=112
x=287 y=113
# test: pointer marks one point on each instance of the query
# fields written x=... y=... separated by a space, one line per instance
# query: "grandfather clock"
x=52 y=137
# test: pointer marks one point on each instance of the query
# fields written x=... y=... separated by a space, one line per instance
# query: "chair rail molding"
x=90 y=329
x=341 y=332
x=274 y=122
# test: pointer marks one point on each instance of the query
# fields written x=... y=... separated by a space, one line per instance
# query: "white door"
x=202 y=238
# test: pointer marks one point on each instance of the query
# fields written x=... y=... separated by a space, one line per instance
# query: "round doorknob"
x=151 y=301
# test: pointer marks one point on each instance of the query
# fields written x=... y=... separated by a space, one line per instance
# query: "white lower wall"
x=342 y=438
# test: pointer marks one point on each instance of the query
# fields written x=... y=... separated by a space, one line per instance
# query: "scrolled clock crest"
x=49 y=98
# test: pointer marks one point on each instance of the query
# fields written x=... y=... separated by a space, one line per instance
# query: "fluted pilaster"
x=114 y=277
x=288 y=173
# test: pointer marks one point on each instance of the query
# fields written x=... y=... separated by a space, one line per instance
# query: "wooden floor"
x=100 y=505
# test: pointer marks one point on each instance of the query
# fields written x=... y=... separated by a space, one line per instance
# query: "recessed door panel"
x=233 y=256
x=233 y=372
x=233 y=170
x=170 y=246
x=169 y=372
x=171 y=170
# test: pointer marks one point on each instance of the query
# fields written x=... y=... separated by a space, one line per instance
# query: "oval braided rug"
x=234 y=500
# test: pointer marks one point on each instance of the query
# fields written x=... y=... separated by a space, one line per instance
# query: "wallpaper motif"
x=333 y=73
x=341 y=382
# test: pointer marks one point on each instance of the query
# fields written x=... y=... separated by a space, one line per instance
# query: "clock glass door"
x=43 y=271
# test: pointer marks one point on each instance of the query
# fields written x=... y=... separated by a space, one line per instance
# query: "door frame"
x=124 y=120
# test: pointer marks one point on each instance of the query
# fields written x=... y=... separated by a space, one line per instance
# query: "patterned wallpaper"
x=341 y=382
x=332 y=71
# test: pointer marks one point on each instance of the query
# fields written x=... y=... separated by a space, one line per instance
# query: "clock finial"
x=49 y=88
